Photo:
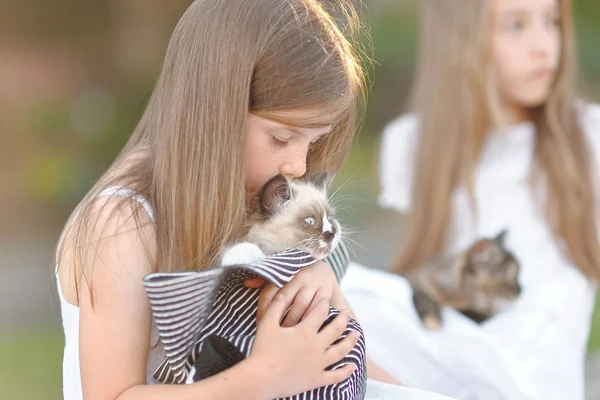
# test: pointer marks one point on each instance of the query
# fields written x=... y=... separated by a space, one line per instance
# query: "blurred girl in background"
x=497 y=139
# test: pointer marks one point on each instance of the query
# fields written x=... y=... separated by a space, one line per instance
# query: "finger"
x=299 y=307
x=274 y=313
x=338 y=375
x=315 y=319
x=267 y=294
x=255 y=283
x=332 y=331
x=338 y=351
x=318 y=296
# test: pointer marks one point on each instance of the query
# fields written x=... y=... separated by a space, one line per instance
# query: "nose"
x=329 y=235
x=294 y=166
x=543 y=40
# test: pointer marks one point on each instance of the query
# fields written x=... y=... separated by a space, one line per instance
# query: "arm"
x=115 y=327
x=115 y=323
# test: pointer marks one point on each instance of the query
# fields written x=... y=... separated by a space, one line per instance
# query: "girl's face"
x=274 y=148
x=526 y=44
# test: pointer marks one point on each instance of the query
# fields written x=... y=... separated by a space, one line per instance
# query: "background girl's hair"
x=456 y=102
x=225 y=58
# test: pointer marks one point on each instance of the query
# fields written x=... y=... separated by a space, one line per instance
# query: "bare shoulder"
x=115 y=317
x=114 y=243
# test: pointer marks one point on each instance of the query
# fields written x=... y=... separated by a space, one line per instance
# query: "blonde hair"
x=456 y=102
x=186 y=156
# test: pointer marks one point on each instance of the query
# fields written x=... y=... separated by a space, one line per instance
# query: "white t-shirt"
x=535 y=350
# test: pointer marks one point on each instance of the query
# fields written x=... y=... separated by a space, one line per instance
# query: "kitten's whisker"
x=359 y=245
x=342 y=185
x=352 y=232
x=349 y=209
x=349 y=248
x=348 y=183
x=348 y=196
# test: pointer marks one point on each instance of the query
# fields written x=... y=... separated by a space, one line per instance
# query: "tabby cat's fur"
x=480 y=282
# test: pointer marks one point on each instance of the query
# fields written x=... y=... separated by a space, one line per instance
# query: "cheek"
x=506 y=67
x=261 y=163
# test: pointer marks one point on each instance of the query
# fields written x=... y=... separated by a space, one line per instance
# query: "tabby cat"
x=479 y=282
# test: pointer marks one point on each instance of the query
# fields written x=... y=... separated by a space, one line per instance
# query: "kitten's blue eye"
x=309 y=220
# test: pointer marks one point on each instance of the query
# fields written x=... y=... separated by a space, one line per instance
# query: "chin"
x=533 y=102
x=534 y=97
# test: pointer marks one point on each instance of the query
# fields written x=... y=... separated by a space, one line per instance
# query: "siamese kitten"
x=288 y=214
x=479 y=282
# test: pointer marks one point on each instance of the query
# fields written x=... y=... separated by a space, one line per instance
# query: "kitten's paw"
x=432 y=323
x=242 y=253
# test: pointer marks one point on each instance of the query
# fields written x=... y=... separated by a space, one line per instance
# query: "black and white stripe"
x=190 y=307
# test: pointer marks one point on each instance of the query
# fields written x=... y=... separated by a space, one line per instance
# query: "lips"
x=543 y=73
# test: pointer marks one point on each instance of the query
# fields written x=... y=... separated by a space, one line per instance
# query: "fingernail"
x=279 y=296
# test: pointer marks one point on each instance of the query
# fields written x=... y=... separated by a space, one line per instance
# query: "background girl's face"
x=526 y=46
x=274 y=148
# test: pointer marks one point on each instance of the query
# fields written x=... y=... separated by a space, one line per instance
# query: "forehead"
x=516 y=7
x=303 y=121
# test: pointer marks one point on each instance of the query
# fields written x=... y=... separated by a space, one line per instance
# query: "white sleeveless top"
x=70 y=320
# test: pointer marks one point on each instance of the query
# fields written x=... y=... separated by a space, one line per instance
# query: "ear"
x=500 y=237
x=273 y=194
x=478 y=252
x=320 y=179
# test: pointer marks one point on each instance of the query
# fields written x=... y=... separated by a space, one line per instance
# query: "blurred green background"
x=75 y=76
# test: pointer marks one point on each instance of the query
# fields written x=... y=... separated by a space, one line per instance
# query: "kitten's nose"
x=329 y=235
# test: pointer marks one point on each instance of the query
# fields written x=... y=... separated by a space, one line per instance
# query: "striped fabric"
x=207 y=320
x=338 y=260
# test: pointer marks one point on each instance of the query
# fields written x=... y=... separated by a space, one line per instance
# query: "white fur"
x=327 y=227
x=338 y=235
x=242 y=253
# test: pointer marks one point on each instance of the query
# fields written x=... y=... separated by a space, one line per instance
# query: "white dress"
x=536 y=349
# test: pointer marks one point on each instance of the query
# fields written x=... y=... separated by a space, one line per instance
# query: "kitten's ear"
x=500 y=238
x=320 y=179
x=273 y=194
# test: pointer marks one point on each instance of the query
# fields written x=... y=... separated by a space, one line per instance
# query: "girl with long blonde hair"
x=496 y=139
x=248 y=90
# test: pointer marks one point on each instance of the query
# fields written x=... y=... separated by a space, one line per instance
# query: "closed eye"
x=280 y=142
x=309 y=220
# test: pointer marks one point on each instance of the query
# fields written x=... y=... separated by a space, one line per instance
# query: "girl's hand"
x=295 y=358
x=302 y=293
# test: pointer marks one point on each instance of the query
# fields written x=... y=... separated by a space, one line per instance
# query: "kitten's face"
x=294 y=214
x=490 y=276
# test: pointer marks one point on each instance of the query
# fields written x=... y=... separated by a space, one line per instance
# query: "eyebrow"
x=299 y=132
x=514 y=12
x=520 y=12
